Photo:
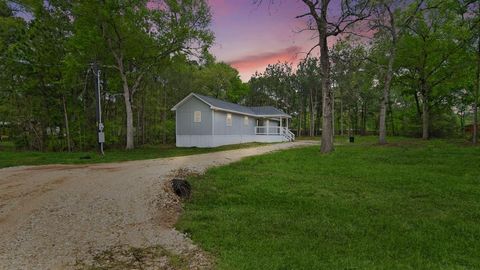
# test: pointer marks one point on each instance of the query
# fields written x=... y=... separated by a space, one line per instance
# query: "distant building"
x=203 y=121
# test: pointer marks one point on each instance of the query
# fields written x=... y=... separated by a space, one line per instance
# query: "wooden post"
x=268 y=127
x=281 y=120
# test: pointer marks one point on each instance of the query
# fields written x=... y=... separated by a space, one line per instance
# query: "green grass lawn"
x=408 y=205
x=9 y=157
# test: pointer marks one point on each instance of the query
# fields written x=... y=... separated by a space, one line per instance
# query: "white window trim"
x=197 y=116
x=229 y=120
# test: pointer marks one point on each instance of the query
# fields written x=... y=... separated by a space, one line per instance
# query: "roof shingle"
x=257 y=111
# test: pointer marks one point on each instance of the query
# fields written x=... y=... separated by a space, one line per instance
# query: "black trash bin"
x=351 y=139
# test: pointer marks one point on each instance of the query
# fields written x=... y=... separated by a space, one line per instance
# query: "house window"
x=245 y=121
x=197 y=116
x=229 y=119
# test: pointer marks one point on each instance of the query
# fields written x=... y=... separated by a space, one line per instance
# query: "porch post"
x=268 y=127
x=280 y=131
x=286 y=122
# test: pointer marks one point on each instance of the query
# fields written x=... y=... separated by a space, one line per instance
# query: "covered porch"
x=275 y=126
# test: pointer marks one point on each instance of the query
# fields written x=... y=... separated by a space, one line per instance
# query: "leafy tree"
x=133 y=39
x=430 y=57
x=34 y=62
x=11 y=30
x=221 y=81
x=389 y=19
x=273 y=87
x=354 y=84
x=308 y=80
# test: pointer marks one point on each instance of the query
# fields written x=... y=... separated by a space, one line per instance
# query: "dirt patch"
x=109 y=169
x=54 y=167
x=169 y=202
x=104 y=216
x=124 y=257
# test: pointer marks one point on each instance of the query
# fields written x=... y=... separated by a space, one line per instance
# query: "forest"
x=397 y=68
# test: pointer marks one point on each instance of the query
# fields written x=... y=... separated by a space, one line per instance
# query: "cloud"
x=223 y=7
x=248 y=62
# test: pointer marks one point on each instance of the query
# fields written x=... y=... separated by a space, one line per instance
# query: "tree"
x=389 y=19
x=221 y=81
x=308 y=79
x=273 y=87
x=476 y=88
x=430 y=56
x=318 y=12
x=34 y=64
x=385 y=22
x=133 y=39
x=354 y=84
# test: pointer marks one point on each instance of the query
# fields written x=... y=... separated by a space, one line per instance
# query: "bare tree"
x=384 y=20
x=327 y=25
x=350 y=13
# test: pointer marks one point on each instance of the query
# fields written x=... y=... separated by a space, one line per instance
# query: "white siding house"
x=203 y=121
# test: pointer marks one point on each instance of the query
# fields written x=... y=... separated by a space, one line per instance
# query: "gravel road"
x=53 y=216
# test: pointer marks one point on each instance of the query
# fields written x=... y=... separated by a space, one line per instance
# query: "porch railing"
x=264 y=130
x=275 y=130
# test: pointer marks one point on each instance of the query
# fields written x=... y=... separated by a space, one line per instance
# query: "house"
x=203 y=121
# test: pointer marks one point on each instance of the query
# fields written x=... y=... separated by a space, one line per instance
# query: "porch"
x=274 y=127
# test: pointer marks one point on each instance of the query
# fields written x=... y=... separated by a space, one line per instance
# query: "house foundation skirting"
x=219 y=140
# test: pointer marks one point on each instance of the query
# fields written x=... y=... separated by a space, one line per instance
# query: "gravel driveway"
x=53 y=216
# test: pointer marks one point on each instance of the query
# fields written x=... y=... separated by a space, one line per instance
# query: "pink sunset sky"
x=249 y=37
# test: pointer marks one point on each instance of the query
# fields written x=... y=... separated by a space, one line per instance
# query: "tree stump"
x=181 y=187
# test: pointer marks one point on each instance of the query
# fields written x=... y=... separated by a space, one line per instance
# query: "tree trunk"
x=144 y=128
x=164 y=139
x=425 y=118
x=327 y=131
x=318 y=112
x=127 y=95
x=299 y=120
x=477 y=92
x=67 y=130
x=462 y=123
x=475 y=118
x=333 y=113
x=392 y=124
x=312 y=115
x=139 y=127
x=341 y=117
x=129 y=114
x=382 y=125
x=417 y=104
x=305 y=120
x=304 y=128
x=365 y=119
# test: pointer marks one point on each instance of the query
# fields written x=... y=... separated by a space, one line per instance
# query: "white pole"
x=281 y=120
x=268 y=127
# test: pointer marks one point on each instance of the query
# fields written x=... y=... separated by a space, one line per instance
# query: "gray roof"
x=228 y=106
x=225 y=105
x=267 y=110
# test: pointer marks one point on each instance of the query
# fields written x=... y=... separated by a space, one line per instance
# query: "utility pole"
x=100 y=126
